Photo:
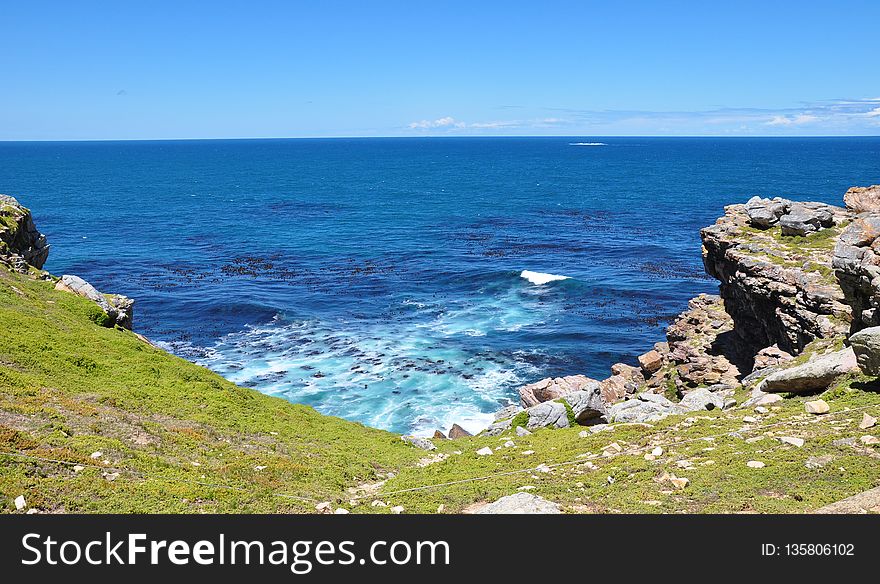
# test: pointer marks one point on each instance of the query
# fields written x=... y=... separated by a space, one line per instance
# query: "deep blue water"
x=379 y=279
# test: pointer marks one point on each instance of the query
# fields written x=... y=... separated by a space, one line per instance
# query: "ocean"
x=381 y=280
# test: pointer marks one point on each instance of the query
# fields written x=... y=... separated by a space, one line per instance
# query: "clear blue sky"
x=132 y=70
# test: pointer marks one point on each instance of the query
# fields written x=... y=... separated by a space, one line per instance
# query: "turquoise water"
x=380 y=279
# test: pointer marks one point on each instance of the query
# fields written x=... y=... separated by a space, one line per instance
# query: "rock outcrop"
x=857 y=266
x=21 y=245
x=118 y=308
x=863 y=199
x=778 y=289
x=550 y=389
x=866 y=346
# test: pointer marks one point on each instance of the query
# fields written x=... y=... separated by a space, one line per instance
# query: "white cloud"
x=795 y=120
x=447 y=122
x=874 y=113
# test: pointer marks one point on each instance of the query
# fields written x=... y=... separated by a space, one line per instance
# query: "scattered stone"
x=869 y=440
x=750 y=419
x=583 y=434
x=96 y=455
x=441 y=508
x=419 y=442
x=507 y=412
x=498 y=428
x=797 y=442
x=397 y=509
x=260 y=467
x=378 y=503
x=520 y=504
x=458 y=432
x=509 y=444
x=771 y=356
x=760 y=398
x=762 y=410
x=20 y=503
x=815 y=462
x=528 y=452
x=543 y=468
x=814 y=375
x=341 y=511
x=520 y=431
x=485 y=451
x=679 y=482
x=78 y=468
x=817 y=407
x=868 y=421
x=755 y=464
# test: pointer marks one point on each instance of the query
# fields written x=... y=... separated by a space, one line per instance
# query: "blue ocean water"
x=380 y=279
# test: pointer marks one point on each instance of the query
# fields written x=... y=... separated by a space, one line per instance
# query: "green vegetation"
x=178 y=438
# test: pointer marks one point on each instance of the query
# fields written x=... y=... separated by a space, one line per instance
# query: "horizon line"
x=469 y=136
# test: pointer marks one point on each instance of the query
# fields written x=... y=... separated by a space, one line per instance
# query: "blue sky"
x=126 y=70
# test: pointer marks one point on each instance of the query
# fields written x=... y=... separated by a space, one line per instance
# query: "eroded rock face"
x=21 y=245
x=856 y=264
x=863 y=199
x=553 y=388
x=776 y=290
x=866 y=346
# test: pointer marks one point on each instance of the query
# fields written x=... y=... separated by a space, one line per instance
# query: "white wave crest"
x=539 y=278
x=587 y=144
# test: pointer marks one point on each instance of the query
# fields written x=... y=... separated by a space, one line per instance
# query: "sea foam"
x=587 y=144
x=540 y=278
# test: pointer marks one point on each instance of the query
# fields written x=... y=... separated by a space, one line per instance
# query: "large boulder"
x=21 y=245
x=586 y=405
x=554 y=388
x=764 y=213
x=703 y=399
x=118 y=308
x=520 y=504
x=814 y=375
x=646 y=407
x=866 y=346
x=803 y=219
x=546 y=415
x=863 y=199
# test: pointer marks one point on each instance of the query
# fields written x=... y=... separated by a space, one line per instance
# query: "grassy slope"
x=69 y=387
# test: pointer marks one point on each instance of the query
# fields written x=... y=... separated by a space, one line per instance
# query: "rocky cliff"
x=795 y=280
x=24 y=249
x=21 y=245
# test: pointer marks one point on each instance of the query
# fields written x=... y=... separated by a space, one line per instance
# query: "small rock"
x=96 y=455
x=520 y=431
x=419 y=442
x=679 y=482
x=397 y=509
x=458 y=432
x=341 y=511
x=658 y=451
x=817 y=407
x=520 y=504
x=509 y=444
x=260 y=467
x=750 y=419
x=543 y=468
x=323 y=507
x=485 y=451
x=815 y=462
x=111 y=476
x=378 y=503
x=867 y=422
x=78 y=468
x=798 y=442
x=20 y=503
x=755 y=464
x=762 y=410
x=869 y=440
x=441 y=508
x=528 y=452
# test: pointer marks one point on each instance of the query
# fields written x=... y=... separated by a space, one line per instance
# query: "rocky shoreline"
x=798 y=308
